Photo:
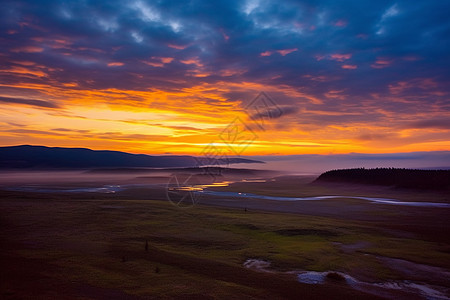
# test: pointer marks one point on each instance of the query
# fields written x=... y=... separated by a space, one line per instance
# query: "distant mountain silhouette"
x=402 y=178
x=41 y=157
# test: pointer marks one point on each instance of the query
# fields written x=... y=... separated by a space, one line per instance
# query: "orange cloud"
x=335 y=94
x=24 y=71
x=154 y=64
x=287 y=51
x=349 y=67
x=232 y=72
x=200 y=74
x=336 y=56
x=115 y=64
x=340 y=57
x=25 y=63
x=398 y=87
x=166 y=60
x=282 y=52
x=160 y=61
x=28 y=49
x=382 y=63
x=70 y=84
x=421 y=83
x=192 y=61
x=178 y=47
x=426 y=83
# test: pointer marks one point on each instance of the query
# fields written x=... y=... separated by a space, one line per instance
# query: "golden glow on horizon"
x=185 y=122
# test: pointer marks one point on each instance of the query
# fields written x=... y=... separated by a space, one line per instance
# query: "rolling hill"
x=41 y=157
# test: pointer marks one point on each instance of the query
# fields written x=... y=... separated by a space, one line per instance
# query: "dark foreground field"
x=93 y=246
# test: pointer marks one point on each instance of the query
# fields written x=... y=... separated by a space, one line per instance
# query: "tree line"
x=402 y=178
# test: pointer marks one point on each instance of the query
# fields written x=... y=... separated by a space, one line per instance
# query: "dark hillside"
x=41 y=157
x=401 y=178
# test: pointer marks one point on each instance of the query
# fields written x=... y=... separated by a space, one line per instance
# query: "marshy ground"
x=91 y=245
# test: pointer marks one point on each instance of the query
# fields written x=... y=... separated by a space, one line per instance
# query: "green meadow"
x=97 y=246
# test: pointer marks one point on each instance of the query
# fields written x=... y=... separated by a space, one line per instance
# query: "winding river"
x=315 y=198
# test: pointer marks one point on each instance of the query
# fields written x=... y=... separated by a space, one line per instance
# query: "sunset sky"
x=175 y=77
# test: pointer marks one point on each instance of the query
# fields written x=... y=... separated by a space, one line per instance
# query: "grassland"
x=94 y=246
